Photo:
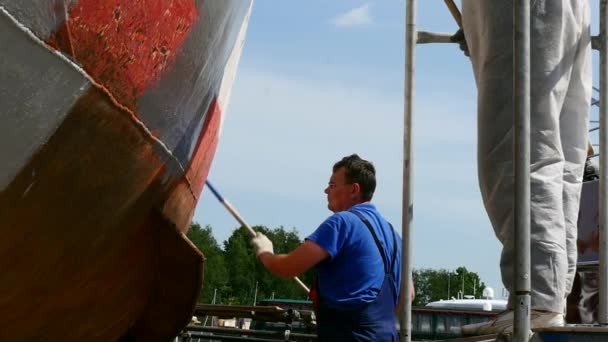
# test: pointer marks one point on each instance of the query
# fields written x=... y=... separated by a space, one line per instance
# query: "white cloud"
x=359 y=16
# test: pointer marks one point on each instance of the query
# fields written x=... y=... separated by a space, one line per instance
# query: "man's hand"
x=261 y=244
x=459 y=38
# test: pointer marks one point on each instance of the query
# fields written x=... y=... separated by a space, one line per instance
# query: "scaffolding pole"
x=603 y=94
x=521 y=155
x=405 y=318
x=521 y=102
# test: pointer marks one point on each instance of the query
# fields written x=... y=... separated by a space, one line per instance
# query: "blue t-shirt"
x=354 y=271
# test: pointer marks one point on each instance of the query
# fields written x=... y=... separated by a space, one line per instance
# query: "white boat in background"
x=490 y=305
x=470 y=303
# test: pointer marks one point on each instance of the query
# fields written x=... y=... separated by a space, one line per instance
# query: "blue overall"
x=374 y=321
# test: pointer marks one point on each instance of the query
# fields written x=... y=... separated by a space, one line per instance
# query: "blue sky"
x=319 y=80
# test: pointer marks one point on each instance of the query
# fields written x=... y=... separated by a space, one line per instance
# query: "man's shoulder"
x=368 y=210
x=340 y=219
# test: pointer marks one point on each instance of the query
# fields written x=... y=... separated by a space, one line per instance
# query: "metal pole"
x=454 y=11
x=449 y=274
x=255 y=296
x=407 y=210
x=463 y=284
x=521 y=151
x=474 y=287
x=212 y=302
x=603 y=95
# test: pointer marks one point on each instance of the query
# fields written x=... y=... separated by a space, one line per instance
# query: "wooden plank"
x=480 y=338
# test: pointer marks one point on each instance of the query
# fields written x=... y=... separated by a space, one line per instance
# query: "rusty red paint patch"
x=126 y=45
x=198 y=170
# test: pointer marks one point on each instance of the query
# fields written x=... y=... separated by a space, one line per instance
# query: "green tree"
x=215 y=275
x=283 y=242
x=245 y=271
x=432 y=285
x=241 y=267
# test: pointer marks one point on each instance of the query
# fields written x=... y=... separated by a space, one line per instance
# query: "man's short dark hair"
x=360 y=171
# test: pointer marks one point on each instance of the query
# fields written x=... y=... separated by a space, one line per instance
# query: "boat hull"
x=103 y=161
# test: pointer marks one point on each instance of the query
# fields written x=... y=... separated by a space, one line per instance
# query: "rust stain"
x=125 y=45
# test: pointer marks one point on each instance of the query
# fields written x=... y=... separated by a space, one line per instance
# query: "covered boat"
x=110 y=118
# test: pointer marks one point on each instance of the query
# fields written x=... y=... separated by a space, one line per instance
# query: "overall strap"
x=394 y=246
x=378 y=245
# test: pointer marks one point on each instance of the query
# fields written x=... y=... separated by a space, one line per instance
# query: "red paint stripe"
x=199 y=166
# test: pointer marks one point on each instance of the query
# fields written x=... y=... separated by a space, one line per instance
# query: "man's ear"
x=356 y=188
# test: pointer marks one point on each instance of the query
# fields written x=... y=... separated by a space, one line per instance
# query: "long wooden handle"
x=455 y=12
x=239 y=218
x=231 y=209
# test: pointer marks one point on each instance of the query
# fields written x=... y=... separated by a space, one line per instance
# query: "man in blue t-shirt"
x=357 y=254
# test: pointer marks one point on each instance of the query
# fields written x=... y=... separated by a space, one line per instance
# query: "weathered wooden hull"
x=111 y=112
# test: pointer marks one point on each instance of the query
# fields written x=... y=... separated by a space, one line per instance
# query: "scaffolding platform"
x=568 y=333
x=480 y=338
x=573 y=333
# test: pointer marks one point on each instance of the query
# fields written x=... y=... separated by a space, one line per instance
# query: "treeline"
x=232 y=271
x=433 y=285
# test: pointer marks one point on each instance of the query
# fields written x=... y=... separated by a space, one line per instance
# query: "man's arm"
x=296 y=262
